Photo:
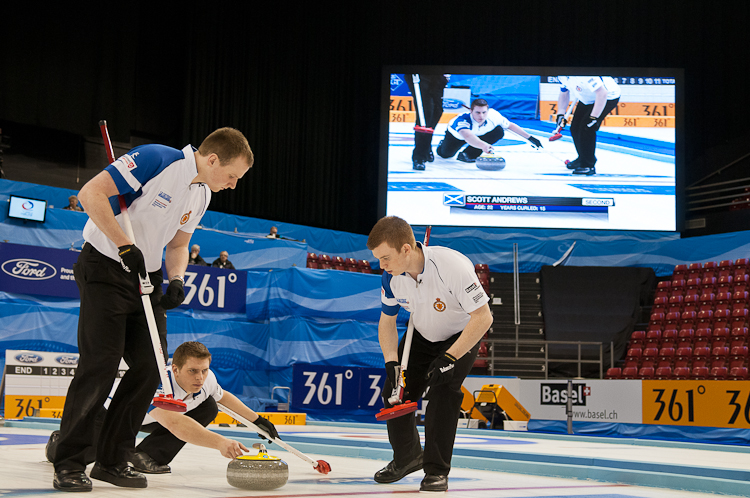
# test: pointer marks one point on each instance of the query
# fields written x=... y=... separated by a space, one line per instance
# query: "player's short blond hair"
x=394 y=231
x=190 y=349
x=228 y=144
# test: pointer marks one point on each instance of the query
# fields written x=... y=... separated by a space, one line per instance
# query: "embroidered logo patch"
x=439 y=305
x=185 y=217
x=129 y=163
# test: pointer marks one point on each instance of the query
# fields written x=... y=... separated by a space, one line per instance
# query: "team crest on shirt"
x=185 y=217
x=439 y=305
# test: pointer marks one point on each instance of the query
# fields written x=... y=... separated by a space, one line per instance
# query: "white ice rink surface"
x=201 y=472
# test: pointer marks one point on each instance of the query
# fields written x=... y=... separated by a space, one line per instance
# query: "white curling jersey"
x=466 y=122
x=210 y=387
x=156 y=182
x=583 y=87
x=441 y=298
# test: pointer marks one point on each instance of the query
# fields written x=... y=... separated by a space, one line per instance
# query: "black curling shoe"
x=435 y=483
x=122 y=475
x=391 y=473
x=71 y=480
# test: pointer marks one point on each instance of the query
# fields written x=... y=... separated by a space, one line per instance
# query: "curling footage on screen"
x=547 y=151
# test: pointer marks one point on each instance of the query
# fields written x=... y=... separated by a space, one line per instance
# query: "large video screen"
x=574 y=148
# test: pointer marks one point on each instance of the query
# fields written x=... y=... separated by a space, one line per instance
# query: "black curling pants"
x=431 y=90
x=111 y=326
x=162 y=445
x=442 y=411
x=584 y=138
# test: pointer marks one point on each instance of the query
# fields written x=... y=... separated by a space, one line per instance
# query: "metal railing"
x=546 y=360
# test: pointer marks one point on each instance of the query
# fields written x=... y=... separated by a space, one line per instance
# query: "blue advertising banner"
x=37 y=271
x=340 y=393
x=214 y=289
x=43 y=271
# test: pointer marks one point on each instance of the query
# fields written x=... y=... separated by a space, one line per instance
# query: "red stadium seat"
x=699 y=373
x=694 y=270
x=646 y=373
x=738 y=373
x=708 y=284
x=685 y=336
x=481 y=268
x=738 y=352
x=683 y=352
x=324 y=262
x=630 y=373
x=679 y=270
x=739 y=332
x=718 y=373
x=312 y=260
x=681 y=373
x=700 y=354
x=663 y=373
x=614 y=373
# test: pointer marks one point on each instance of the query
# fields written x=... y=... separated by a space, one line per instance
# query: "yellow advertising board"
x=19 y=406
x=702 y=403
x=276 y=418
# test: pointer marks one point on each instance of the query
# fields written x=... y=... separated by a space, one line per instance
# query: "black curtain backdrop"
x=303 y=82
x=587 y=303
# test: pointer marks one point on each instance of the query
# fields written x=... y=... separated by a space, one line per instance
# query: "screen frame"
x=676 y=73
x=24 y=198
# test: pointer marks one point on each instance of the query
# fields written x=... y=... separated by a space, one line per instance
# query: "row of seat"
x=679 y=373
x=708 y=301
x=692 y=286
x=326 y=262
x=703 y=337
x=711 y=268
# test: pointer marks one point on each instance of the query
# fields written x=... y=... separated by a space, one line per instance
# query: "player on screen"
x=431 y=88
x=597 y=96
x=480 y=129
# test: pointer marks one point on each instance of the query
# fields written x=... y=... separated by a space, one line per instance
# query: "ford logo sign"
x=452 y=104
x=28 y=358
x=29 y=269
x=67 y=360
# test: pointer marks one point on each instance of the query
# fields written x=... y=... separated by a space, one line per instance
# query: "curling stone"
x=259 y=472
x=490 y=162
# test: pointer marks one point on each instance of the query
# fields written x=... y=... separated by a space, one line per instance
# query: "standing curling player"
x=167 y=192
x=597 y=96
x=439 y=287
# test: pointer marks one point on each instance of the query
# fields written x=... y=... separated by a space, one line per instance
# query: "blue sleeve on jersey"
x=463 y=122
x=150 y=160
x=389 y=310
x=120 y=183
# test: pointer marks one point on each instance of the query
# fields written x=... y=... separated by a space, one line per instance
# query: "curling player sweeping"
x=166 y=191
x=439 y=287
